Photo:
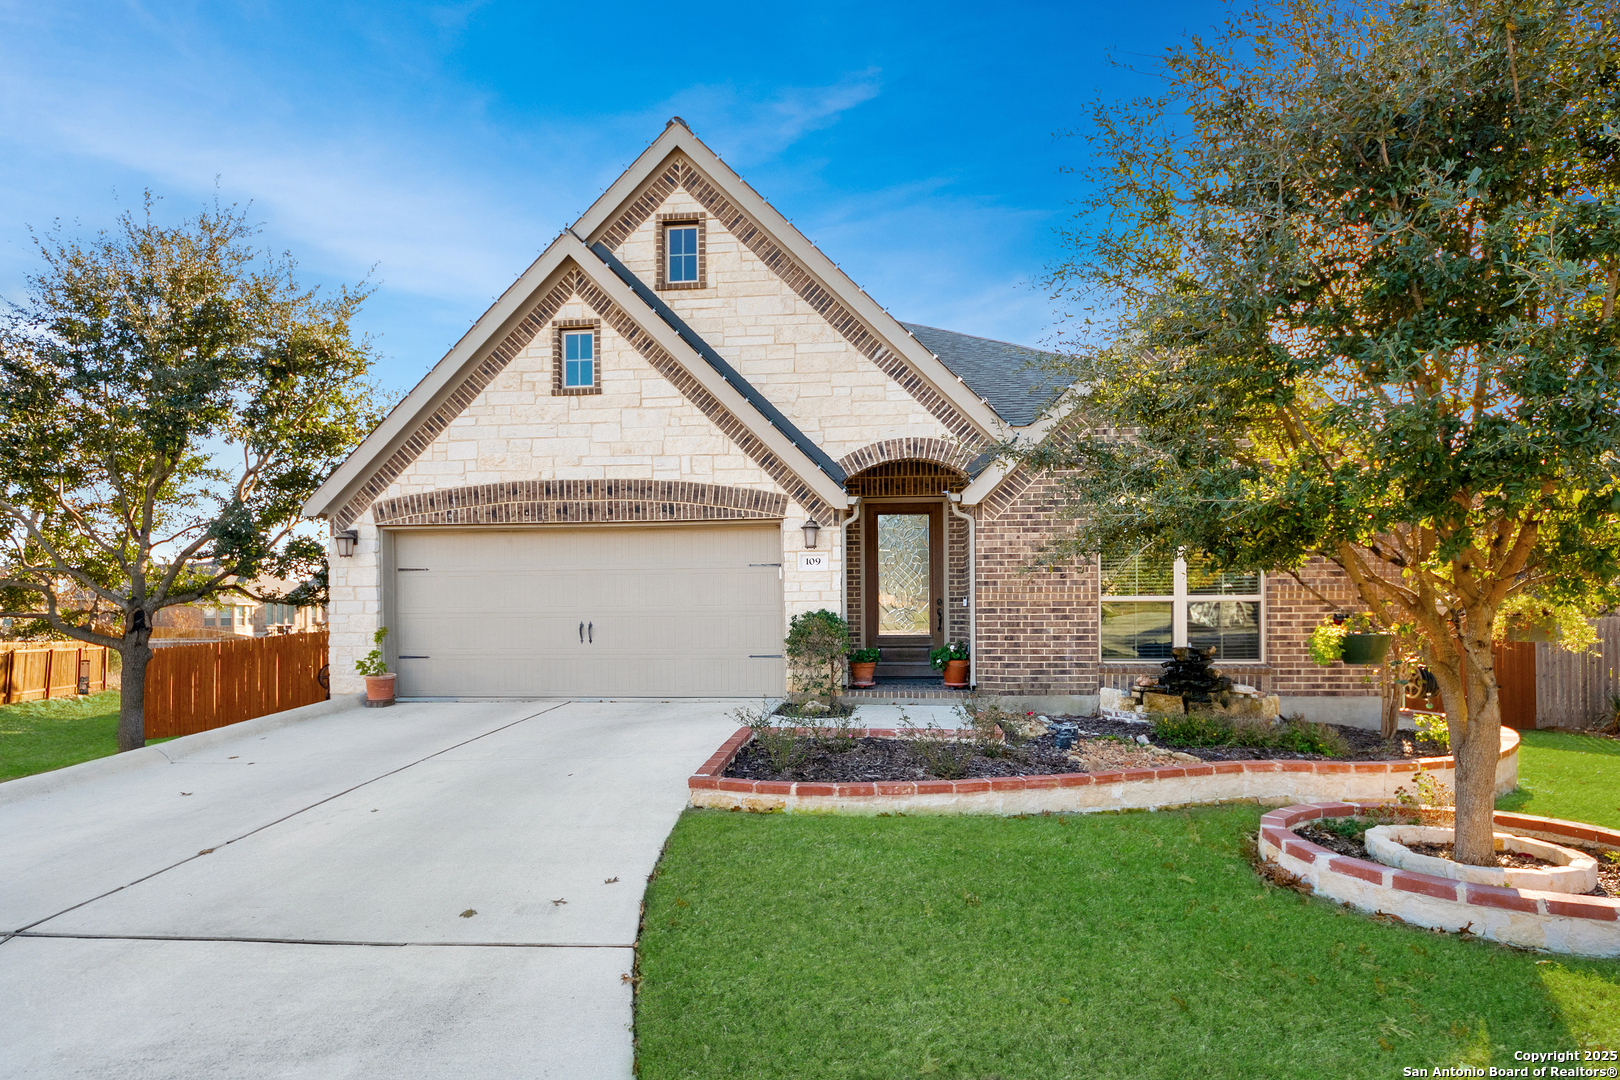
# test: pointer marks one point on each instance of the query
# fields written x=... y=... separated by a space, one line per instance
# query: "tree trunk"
x=1474 y=720
x=132 y=691
x=1391 y=696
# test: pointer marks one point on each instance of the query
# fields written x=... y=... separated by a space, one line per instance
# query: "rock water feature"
x=1188 y=683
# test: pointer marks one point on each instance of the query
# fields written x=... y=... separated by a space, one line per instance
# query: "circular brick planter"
x=1576 y=873
x=1532 y=918
x=1271 y=782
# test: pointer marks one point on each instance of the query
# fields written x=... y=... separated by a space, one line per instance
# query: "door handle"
x=590 y=633
x=939 y=608
x=582 y=633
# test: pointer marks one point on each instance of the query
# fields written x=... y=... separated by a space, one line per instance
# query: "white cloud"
x=751 y=130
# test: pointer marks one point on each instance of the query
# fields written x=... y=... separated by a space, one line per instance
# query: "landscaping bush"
x=1193 y=729
x=1212 y=729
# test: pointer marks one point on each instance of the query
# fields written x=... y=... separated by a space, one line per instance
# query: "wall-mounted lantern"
x=345 y=542
x=810 y=531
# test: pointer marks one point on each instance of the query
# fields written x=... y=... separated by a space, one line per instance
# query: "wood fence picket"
x=36 y=670
x=192 y=688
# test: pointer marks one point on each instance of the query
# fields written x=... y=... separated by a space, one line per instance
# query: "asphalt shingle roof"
x=998 y=371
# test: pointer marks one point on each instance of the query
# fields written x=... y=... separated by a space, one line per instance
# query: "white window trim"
x=670 y=256
x=589 y=335
x=1178 y=614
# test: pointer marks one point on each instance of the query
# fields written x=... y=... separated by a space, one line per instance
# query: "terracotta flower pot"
x=380 y=690
x=863 y=674
x=956 y=673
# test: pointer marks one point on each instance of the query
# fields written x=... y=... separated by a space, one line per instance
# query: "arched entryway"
x=908 y=564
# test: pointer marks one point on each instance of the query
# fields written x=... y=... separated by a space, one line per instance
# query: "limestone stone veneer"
x=1533 y=919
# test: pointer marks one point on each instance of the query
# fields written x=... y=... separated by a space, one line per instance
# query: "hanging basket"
x=1366 y=648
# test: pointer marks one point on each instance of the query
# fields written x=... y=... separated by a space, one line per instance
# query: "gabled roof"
x=486 y=349
x=1008 y=376
x=635 y=192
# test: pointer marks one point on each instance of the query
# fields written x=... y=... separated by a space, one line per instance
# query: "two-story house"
x=684 y=424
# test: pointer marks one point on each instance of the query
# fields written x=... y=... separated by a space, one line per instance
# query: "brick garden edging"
x=1271 y=782
x=1534 y=919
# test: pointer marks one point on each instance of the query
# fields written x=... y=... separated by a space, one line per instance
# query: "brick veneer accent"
x=557 y=360
x=661 y=275
x=938 y=451
x=1526 y=917
x=581 y=501
x=677 y=173
x=1039 y=630
x=570 y=283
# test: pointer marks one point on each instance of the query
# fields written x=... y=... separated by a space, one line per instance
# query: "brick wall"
x=1039 y=629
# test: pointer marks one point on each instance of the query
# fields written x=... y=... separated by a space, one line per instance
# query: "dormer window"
x=682 y=260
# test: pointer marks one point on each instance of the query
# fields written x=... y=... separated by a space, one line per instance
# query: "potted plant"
x=952 y=659
x=379 y=680
x=1353 y=639
x=863 y=666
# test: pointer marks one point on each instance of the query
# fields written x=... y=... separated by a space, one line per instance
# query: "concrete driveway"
x=300 y=902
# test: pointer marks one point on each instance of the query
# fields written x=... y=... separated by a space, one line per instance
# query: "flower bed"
x=1536 y=919
x=1184 y=783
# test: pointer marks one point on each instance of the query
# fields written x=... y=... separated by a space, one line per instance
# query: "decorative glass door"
x=903 y=565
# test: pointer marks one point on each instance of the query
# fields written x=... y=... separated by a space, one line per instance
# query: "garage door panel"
x=677 y=611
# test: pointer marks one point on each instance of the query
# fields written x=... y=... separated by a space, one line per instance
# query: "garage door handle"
x=590 y=633
x=582 y=633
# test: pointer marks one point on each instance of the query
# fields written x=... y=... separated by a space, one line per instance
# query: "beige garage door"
x=656 y=612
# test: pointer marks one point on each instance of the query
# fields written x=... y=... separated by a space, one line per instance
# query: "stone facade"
x=503 y=443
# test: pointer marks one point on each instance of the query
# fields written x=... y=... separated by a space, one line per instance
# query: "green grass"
x=1564 y=775
x=38 y=736
x=1136 y=945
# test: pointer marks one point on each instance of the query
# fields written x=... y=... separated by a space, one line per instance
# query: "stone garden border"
x=1533 y=919
x=1274 y=783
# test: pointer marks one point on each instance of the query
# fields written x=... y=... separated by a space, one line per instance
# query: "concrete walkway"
x=300 y=902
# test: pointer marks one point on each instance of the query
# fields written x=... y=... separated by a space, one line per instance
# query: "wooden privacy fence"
x=35 y=670
x=192 y=688
x=1572 y=689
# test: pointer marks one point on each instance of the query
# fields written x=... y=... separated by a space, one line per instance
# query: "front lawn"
x=1565 y=775
x=1100 y=945
x=38 y=736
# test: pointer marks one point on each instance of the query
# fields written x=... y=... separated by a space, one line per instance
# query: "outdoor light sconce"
x=345 y=542
x=810 y=531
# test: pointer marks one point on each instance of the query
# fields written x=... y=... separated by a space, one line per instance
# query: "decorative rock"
x=813 y=708
x=1190 y=759
x=1163 y=703
x=1142 y=740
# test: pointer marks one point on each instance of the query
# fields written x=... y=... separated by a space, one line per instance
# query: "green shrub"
x=816 y=644
x=1194 y=729
x=1433 y=728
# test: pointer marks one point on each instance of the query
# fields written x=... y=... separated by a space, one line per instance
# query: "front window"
x=681 y=243
x=1150 y=607
x=578 y=359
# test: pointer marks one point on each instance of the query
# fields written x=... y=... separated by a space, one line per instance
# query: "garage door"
x=633 y=612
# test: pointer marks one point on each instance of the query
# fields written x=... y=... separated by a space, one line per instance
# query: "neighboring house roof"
x=1010 y=377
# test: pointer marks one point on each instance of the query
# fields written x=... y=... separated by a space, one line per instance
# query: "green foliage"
x=1565 y=622
x=865 y=656
x=945 y=754
x=1326 y=644
x=1213 y=729
x=1434 y=729
x=373 y=663
x=172 y=397
x=1349 y=282
x=1427 y=790
x=816 y=644
x=956 y=650
x=776 y=737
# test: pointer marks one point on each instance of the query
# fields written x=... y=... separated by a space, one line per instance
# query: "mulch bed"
x=1363 y=745
x=1608 y=872
x=894 y=759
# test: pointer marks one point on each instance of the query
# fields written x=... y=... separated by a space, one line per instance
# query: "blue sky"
x=441 y=147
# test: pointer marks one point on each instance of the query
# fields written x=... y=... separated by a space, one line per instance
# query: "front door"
x=905 y=605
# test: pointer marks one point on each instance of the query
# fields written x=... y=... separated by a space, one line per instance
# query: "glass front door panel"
x=902 y=574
